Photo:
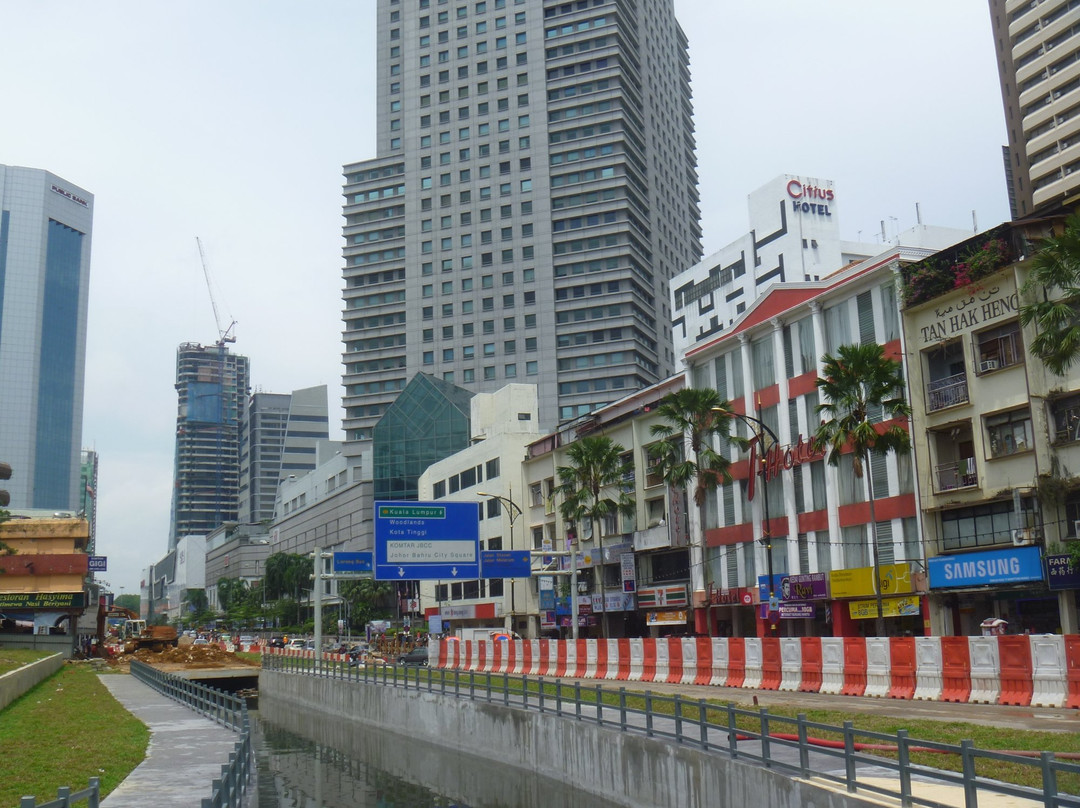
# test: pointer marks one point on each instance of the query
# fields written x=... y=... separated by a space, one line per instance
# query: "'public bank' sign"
x=1012 y=566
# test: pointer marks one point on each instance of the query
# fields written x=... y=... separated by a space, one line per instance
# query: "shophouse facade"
x=996 y=442
x=767 y=364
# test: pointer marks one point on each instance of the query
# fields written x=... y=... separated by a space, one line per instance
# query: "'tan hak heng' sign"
x=41 y=600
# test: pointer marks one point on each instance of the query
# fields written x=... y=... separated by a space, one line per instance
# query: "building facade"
x=534 y=190
x=45 y=230
x=1038 y=53
x=996 y=443
x=88 y=482
x=212 y=390
x=278 y=437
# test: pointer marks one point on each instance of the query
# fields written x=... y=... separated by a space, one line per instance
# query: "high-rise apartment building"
x=534 y=191
x=212 y=389
x=88 y=481
x=1038 y=51
x=278 y=437
x=45 y=226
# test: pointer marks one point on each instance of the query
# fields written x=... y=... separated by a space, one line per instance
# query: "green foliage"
x=696 y=416
x=287 y=575
x=591 y=485
x=128 y=602
x=936 y=276
x=368 y=599
x=1051 y=298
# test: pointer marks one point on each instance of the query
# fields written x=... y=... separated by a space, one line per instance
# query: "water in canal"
x=314 y=762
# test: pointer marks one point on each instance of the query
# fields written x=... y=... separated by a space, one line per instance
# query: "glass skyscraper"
x=534 y=190
x=45 y=227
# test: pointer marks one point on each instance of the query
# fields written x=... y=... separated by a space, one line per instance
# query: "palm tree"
x=860 y=380
x=1055 y=268
x=697 y=416
x=592 y=489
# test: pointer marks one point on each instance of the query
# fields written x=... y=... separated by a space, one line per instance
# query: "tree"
x=128 y=602
x=231 y=592
x=367 y=598
x=1051 y=293
x=857 y=383
x=592 y=489
x=696 y=416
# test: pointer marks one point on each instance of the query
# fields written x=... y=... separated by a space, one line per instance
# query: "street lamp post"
x=513 y=511
x=762 y=429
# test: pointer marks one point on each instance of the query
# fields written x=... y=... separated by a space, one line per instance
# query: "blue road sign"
x=427 y=541
x=505 y=564
x=97 y=563
x=354 y=562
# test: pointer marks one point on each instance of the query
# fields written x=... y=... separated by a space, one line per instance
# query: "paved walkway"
x=185 y=755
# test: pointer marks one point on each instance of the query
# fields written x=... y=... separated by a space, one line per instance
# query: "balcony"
x=961 y=474
x=947 y=392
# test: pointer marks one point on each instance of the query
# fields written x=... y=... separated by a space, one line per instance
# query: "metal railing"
x=66 y=797
x=224 y=708
x=947 y=392
x=776 y=742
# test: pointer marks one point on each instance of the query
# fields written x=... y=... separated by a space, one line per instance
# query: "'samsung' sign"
x=1015 y=565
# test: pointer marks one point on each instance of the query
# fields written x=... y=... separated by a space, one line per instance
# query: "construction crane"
x=226 y=335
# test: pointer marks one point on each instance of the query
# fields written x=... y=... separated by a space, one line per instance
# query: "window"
x=998 y=348
x=1009 y=432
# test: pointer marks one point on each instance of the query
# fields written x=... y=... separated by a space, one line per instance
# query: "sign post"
x=427 y=541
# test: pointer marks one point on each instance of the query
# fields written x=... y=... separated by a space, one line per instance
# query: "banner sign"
x=629 y=574
x=660 y=596
x=666 y=618
x=797 y=611
x=1061 y=573
x=858 y=582
x=1015 y=565
x=890 y=607
x=97 y=564
x=42 y=600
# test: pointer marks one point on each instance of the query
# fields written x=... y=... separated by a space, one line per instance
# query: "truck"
x=136 y=634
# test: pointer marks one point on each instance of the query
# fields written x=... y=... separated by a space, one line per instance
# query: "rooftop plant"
x=956 y=270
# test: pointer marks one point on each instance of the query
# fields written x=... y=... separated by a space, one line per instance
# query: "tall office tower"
x=278 y=437
x=45 y=225
x=1038 y=51
x=534 y=191
x=88 y=494
x=212 y=388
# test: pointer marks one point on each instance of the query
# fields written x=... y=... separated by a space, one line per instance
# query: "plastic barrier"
x=929 y=681
x=1014 y=661
x=878 y=671
x=752 y=665
x=618 y=659
x=530 y=657
x=720 y=662
x=481 y=653
x=736 y=661
x=985 y=670
x=497 y=663
x=675 y=660
x=703 y=654
x=593 y=649
x=771 y=668
x=688 y=669
x=810 y=680
x=854 y=666
x=549 y=652
x=1048 y=671
x=901 y=667
x=1072 y=672
x=636 y=669
x=955 y=669
x=648 y=662
x=663 y=659
x=566 y=663
x=832 y=665
x=520 y=647
x=790 y=663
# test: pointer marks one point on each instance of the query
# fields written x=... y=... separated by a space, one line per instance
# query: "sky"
x=230 y=122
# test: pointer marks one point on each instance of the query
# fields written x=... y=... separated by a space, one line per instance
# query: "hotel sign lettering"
x=777 y=459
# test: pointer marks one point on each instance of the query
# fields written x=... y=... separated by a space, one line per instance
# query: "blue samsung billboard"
x=1012 y=566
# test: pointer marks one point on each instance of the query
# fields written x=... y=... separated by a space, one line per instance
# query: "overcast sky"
x=230 y=121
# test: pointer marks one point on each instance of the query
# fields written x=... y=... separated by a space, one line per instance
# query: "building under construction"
x=212 y=389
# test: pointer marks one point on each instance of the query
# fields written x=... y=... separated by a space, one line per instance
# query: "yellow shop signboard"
x=890 y=607
x=859 y=581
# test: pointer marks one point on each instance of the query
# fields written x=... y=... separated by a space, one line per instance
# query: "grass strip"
x=13 y=658
x=64 y=731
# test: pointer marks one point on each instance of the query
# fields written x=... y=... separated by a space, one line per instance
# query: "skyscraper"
x=534 y=191
x=45 y=226
x=212 y=388
x=1038 y=51
x=278 y=437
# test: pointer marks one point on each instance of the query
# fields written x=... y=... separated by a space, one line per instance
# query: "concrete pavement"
x=185 y=755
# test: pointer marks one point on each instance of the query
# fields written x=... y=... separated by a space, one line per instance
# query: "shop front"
x=666 y=610
x=853 y=604
x=731 y=612
x=969 y=588
x=799 y=608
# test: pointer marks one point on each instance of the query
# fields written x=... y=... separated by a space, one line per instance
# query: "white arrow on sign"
x=453 y=571
x=401 y=572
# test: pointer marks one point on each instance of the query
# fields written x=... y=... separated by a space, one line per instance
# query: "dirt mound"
x=195 y=656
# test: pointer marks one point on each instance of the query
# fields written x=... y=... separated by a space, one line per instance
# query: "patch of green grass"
x=63 y=732
x=13 y=658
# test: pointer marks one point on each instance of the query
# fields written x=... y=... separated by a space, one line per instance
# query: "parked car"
x=417 y=656
x=277 y=642
x=201 y=641
x=296 y=643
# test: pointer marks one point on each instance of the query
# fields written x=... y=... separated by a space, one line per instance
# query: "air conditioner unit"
x=987 y=365
x=1021 y=537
